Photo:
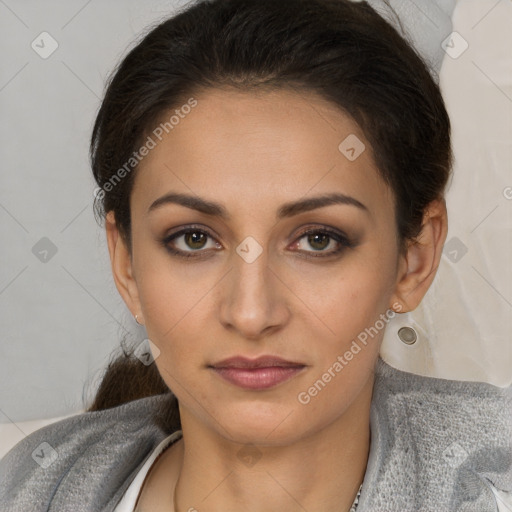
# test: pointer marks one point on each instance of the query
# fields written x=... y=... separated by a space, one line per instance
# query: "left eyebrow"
x=304 y=205
x=286 y=210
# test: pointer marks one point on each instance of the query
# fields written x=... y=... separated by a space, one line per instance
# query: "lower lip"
x=258 y=378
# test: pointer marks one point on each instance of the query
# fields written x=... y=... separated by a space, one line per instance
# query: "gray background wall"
x=62 y=317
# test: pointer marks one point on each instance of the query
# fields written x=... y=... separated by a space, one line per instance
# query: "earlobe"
x=419 y=265
x=121 y=265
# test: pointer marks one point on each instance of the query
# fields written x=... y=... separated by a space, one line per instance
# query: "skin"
x=253 y=152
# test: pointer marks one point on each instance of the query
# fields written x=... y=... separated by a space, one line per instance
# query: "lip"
x=261 y=373
x=259 y=362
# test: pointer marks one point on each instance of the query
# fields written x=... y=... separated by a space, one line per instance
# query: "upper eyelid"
x=182 y=231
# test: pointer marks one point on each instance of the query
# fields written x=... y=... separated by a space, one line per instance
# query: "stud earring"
x=407 y=335
x=137 y=319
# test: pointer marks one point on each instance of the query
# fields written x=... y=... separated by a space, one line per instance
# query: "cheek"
x=347 y=298
x=169 y=290
x=169 y=301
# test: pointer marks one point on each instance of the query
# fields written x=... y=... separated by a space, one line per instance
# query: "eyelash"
x=345 y=242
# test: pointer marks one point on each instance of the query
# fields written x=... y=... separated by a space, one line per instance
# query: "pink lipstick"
x=257 y=374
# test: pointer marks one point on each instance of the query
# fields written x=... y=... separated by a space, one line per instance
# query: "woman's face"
x=249 y=282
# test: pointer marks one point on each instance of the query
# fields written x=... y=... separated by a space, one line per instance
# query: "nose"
x=254 y=300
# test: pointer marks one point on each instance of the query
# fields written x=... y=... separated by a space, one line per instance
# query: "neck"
x=320 y=471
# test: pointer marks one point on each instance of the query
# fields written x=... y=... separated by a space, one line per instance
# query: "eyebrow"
x=286 y=210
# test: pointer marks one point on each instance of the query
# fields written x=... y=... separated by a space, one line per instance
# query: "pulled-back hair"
x=341 y=50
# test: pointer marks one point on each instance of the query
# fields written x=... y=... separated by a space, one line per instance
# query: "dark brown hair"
x=339 y=49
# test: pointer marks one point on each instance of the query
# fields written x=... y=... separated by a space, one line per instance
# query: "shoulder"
x=104 y=449
x=450 y=402
x=447 y=441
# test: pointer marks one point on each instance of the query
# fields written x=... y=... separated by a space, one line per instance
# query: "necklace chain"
x=353 y=508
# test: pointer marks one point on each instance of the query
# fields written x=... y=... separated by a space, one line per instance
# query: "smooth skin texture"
x=253 y=152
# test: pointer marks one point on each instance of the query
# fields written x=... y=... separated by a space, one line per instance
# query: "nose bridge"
x=251 y=304
x=250 y=276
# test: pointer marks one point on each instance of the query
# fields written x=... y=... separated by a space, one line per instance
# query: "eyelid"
x=334 y=232
x=188 y=227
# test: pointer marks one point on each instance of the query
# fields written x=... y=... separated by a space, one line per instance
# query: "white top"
x=503 y=499
x=127 y=503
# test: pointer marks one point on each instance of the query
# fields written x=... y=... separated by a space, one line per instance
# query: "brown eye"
x=187 y=242
x=320 y=240
x=195 y=239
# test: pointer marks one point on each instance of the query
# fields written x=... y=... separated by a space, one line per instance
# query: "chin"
x=262 y=424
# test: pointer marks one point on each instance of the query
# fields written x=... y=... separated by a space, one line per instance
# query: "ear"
x=418 y=266
x=121 y=263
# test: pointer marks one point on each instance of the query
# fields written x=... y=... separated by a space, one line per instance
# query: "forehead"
x=253 y=147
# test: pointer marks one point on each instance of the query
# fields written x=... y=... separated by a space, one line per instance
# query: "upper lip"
x=260 y=362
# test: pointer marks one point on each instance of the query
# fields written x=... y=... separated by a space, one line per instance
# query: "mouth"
x=257 y=374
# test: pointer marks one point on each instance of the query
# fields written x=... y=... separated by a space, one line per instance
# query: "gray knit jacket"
x=437 y=445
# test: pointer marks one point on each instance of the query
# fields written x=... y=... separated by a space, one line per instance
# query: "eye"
x=322 y=238
x=180 y=243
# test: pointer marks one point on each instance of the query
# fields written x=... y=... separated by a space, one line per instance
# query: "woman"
x=272 y=178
